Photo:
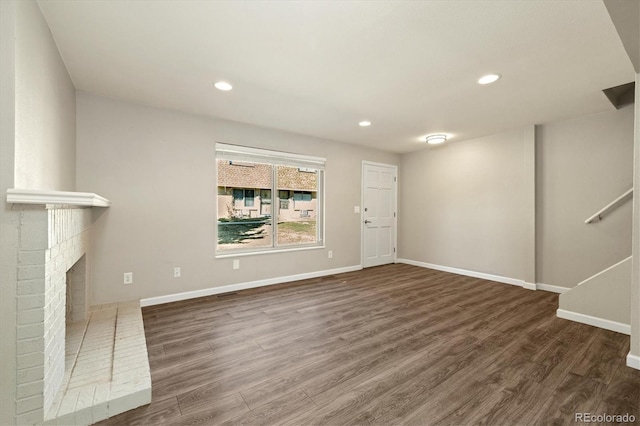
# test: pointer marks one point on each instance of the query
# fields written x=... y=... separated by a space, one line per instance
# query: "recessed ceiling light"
x=436 y=139
x=223 y=85
x=364 y=123
x=489 y=78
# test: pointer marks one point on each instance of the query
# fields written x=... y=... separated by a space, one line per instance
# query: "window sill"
x=269 y=251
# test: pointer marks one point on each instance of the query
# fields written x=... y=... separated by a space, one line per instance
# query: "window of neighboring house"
x=243 y=198
x=302 y=196
x=247 y=220
x=249 y=197
x=284 y=199
x=238 y=198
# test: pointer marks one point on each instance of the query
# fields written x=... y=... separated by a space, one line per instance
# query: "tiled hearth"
x=74 y=365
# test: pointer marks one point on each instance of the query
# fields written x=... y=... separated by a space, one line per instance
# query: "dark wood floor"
x=394 y=344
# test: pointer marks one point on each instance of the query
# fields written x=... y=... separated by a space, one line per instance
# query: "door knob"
x=367 y=221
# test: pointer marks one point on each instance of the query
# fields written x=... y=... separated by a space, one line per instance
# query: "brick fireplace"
x=52 y=240
x=63 y=343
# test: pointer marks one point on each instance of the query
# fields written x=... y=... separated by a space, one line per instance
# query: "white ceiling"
x=319 y=67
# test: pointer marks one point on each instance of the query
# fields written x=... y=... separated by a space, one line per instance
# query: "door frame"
x=395 y=208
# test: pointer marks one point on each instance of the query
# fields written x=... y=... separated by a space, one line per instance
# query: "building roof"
x=255 y=175
x=243 y=175
x=293 y=179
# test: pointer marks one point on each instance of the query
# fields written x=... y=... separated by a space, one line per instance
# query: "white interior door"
x=378 y=214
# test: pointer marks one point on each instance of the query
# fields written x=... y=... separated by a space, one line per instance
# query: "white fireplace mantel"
x=31 y=196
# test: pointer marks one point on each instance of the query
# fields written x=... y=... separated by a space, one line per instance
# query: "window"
x=247 y=220
x=243 y=197
x=238 y=197
x=302 y=196
x=248 y=198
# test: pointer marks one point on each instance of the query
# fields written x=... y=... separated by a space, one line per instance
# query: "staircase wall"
x=601 y=300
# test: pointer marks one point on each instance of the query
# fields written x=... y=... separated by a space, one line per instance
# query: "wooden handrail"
x=612 y=205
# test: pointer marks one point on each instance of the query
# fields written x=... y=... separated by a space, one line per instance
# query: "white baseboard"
x=158 y=300
x=633 y=361
x=552 y=288
x=594 y=321
x=474 y=274
x=490 y=277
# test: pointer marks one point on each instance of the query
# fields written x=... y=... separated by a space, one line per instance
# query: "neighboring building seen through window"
x=247 y=219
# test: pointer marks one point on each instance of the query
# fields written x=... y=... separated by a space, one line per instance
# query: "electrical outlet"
x=176 y=272
x=236 y=263
x=330 y=254
x=128 y=278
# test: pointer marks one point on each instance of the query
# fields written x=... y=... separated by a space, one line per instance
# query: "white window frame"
x=275 y=158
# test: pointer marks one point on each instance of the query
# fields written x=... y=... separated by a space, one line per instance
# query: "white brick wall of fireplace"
x=52 y=240
x=75 y=364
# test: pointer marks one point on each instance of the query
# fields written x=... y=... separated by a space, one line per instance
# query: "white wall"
x=157 y=168
x=626 y=17
x=464 y=204
x=37 y=150
x=8 y=219
x=604 y=296
x=635 y=285
x=582 y=165
x=45 y=107
x=469 y=204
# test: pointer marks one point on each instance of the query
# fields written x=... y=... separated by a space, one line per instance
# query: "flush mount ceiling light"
x=223 y=85
x=489 y=78
x=364 y=123
x=436 y=139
